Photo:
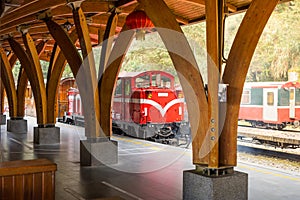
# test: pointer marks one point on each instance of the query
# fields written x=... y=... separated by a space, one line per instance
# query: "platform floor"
x=145 y=170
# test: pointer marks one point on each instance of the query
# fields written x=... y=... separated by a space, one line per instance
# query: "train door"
x=292 y=103
x=270 y=102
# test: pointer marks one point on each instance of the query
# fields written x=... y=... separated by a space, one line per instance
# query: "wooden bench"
x=27 y=179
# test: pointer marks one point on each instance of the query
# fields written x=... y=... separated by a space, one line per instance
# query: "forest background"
x=277 y=52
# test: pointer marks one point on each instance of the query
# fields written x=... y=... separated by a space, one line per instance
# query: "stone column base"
x=98 y=151
x=2 y=119
x=46 y=135
x=17 y=125
x=231 y=186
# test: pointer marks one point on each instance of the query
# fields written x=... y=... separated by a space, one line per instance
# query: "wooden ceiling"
x=23 y=14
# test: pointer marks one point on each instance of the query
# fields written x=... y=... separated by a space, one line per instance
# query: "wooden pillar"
x=110 y=76
x=107 y=41
x=214 y=20
x=37 y=80
x=188 y=72
x=89 y=96
x=22 y=82
x=236 y=70
x=8 y=81
x=1 y=96
x=105 y=99
x=59 y=62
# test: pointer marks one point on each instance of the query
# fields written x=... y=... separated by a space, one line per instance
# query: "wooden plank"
x=28 y=183
x=37 y=186
x=236 y=70
x=7 y=185
x=20 y=167
x=29 y=9
x=19 y=187
x=48 y=185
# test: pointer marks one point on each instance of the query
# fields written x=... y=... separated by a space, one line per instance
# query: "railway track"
x=276 y=138
x=269 y=151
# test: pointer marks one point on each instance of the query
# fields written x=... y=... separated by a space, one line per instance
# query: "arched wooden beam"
x=109 y=77
x=66 y=45
x=26 y=64
x=36 y=80
x=12 y=59
x=8 y=81
x=187 y=70
x=1 y=97
x=90 y=95
x=107 y=41
x=21 y=89
x=52 y=84
x=236 y=70
x=22 y=84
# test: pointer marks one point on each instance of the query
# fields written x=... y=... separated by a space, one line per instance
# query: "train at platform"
x=146 y=105
x=272 y=105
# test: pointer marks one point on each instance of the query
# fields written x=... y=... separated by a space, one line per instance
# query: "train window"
x=246 y=97
x=127 y=87
x=165 y=82
x=118 y=90
x=156 y=80
x=142 y=81
x=270 y=98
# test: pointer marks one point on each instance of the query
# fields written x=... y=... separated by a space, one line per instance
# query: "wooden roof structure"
x=24 y=14
x=43 y=29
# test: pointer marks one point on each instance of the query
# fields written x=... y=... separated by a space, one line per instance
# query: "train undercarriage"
x=177 y=134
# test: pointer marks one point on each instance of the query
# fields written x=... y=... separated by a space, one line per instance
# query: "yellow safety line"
x=268 y=172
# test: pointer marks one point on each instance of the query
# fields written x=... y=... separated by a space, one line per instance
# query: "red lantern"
x=140 y=21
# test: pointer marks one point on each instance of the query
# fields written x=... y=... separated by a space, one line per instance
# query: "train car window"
x=142 y=81
x=283 y=97
x=297 y=97
x=127 y=87
x=246 y=97
x=118 y=90
x=270 y=98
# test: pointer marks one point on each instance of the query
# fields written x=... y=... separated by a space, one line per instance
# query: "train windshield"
x=161 y=81
x=153 y=80
x=142 y=81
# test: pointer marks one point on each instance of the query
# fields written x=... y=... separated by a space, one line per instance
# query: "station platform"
x=145 y=170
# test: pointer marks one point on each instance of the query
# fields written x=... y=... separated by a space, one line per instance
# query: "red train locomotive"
x=146 y=105
x=272 y=105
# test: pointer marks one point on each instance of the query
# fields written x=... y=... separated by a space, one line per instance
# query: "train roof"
x=134 y=74
x=271 y=84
